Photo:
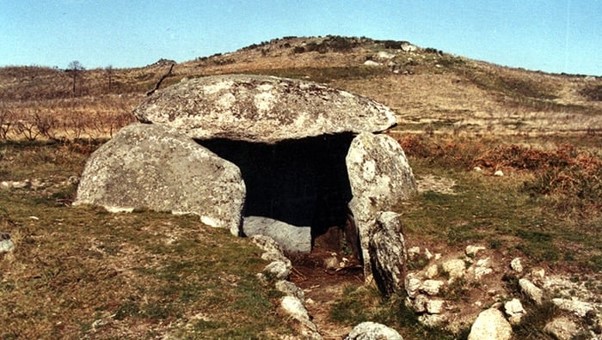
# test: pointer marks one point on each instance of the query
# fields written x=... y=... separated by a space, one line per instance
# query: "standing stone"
x=380 y=176
x=152 y=167
x=490 y=325
x=388 y=253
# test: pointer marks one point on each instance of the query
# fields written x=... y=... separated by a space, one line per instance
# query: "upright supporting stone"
x=388 y=253
x=380 y=176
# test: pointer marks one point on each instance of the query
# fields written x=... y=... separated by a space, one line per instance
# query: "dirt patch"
x=324 y=286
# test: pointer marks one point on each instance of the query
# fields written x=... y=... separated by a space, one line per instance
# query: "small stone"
x=294 y=307
x=538 y=273
x=371 y=63
x=576 y=307
x=499 y=173
x=516 y=265
x=6 y=244
x=5 y=185
x=412 y=285
x=432 y=320
x=431 y=287
x=477 y=169
x=456 y=268
x=473 y=250
x=514 y=307
x=414 y=251
x=331 y=262
x=435 y=306
x=428 y=254
x=420 y=303
x=35 y=218
x=562 y=328
x=490 y=325
x=432 y=271
x=371 y=330
x=533 y=292
x=437 y=256
x=479 y=272
x=278 y=269
x=290 y=288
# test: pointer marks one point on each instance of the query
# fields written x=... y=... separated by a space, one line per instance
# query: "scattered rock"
x=331 y=262
x=413 y=252
x=293 y=307
x=6 y=244
x=477 y=169
x=456 y=268
x=380 y=175
x=473 y=250
x=278 y=269
x=499 y=173
x=482 y=268
x=407 y=47
x=538 y=273
x=149 y=166
x=388 y=253
x=372 y=63
x=431 y=271
x=412 y=285
x=385 y=55
x=562 y=328
x=515 y=311
x=431 y=287
x=490 y=325
x=291 y=289
x=373 y=331
x=516 y=265
x=576 y=307
x=420 y=303
x=432 y=320
x=293 y=239
x=435 y=306
x=531 y=290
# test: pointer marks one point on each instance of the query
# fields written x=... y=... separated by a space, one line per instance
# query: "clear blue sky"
x=548 y=35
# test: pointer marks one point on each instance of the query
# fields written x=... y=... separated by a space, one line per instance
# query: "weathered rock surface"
x=579 y=308
x=293 y=239
x=295 y=309
x=149 y=166
x=388 y=253
x=380 y=176
x=562 y=328
x=261 y=109
x=373 y=331
x=490 y=325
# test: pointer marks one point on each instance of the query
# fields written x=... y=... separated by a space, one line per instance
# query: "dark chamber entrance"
x=301 y=182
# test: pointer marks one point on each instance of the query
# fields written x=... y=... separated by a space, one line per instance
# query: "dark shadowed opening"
x=301 y=182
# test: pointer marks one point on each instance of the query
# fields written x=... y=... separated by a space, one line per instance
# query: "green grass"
x=498 y=212
x=137 y=275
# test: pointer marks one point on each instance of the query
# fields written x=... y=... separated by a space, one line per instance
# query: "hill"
x=429 y=89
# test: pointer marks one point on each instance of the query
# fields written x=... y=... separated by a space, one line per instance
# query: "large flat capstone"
x=153 y=167
x=261 y=109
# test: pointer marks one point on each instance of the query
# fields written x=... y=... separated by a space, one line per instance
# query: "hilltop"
x=429 y=89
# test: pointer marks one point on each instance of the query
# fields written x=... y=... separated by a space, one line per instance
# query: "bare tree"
x=109 y=73
x=75 y=68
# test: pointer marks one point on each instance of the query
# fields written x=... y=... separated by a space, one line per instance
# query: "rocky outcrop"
x=388 y=253
x=490 y=325
x=373 y=331
x=292 y=239
x=152 y=167
x=380 y=176
x=261 y=109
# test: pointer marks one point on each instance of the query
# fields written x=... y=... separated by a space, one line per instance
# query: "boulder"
x=380 y=176
x=292 y=239
x=373 y=331
x=153 y=167
x=261 y=109
x=490 y=325
x=388 y=253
